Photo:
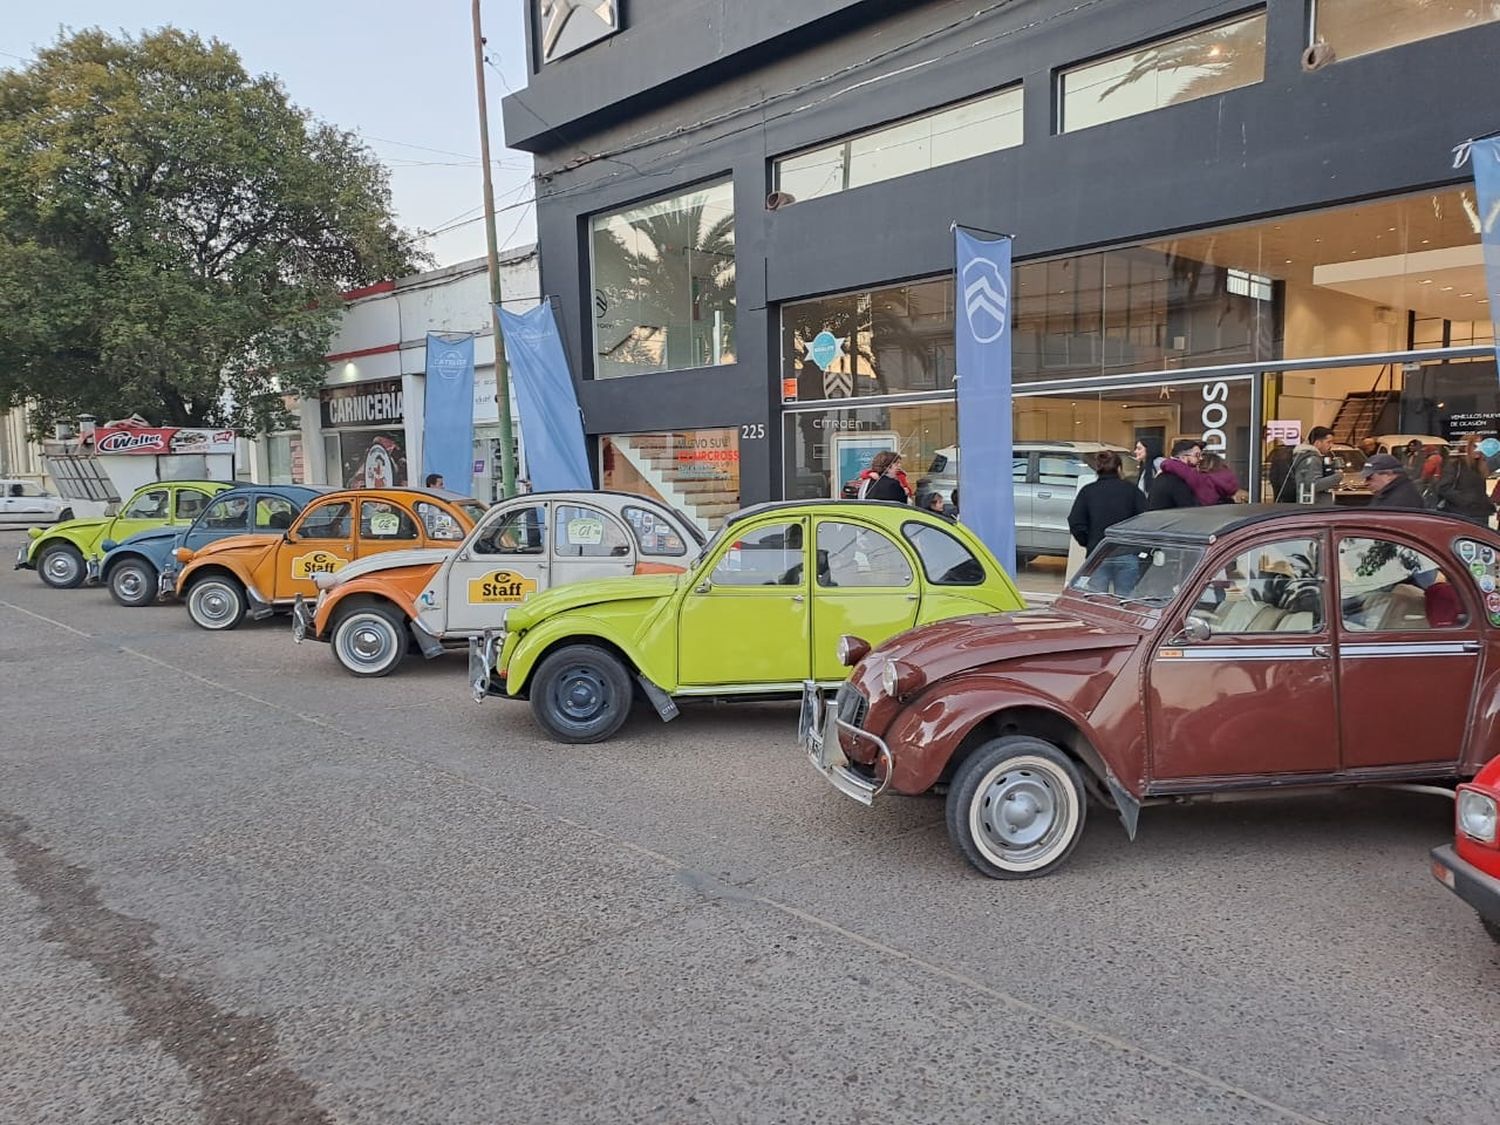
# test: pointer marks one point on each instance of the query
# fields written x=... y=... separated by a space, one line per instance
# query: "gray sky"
x=401 y=76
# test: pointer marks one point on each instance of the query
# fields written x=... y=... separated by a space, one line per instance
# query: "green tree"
x=174 y=233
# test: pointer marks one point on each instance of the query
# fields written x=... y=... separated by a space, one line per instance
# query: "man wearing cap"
x=1390 y=485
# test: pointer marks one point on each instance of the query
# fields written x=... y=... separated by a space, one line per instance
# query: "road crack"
x=231 y=1058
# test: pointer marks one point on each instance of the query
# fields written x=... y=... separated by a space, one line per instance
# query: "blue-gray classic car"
x=143 y=568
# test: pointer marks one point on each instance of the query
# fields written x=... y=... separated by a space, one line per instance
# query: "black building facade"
x=1227 y=216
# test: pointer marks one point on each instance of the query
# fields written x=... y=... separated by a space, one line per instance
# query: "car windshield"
x=471 y=508
x=1135 y=574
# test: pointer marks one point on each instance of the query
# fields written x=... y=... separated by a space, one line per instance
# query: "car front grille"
x=852 y=705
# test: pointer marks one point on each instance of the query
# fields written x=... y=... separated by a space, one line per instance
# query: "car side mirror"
x=1195 y=629
x=703 y=587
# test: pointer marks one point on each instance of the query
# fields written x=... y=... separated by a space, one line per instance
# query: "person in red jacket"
x=884 y=480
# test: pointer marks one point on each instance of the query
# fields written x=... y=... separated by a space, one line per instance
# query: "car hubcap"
x=130 y=584
x=580 y=695
x=1022 y=813
x=61 y=567
x=369 y=643
x=215 y=604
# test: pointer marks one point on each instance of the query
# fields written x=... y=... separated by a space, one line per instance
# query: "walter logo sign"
x=500 y=586
x=316 y=562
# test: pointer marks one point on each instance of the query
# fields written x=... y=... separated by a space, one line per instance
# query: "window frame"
x=358 y=527
x=733 y=536
x=299 y=526
x=1060 y=74
x=927 y=576
x=892 y=542
x=502 y=520
x=1322 y=579
x=1426 y=551
x=723 y=178
x=225 y=498
x=171 y=504
x=606 y=518
x=844 y=144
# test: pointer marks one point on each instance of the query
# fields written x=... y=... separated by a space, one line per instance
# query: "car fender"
x=226 y=563
x=385 y=586
x=583 y=628
x=928 y=733
x=85 y=538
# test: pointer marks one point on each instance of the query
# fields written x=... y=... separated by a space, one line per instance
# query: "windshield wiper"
x=1153 y=600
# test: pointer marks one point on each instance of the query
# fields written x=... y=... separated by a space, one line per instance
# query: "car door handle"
x=911 y=597
x=1320 y=650
x=1044 y=496
x=798 y=598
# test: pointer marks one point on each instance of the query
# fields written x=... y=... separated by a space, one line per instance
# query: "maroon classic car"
x=1197 y=651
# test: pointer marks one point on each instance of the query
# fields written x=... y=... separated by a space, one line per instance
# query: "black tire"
x=369 y=640
x=216 y=602
x=65 y=515
x=581 y=694
x=1043 y=788
x=61 y=566
x=132 y=582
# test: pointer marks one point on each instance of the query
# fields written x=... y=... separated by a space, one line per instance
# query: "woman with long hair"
x=1148 y=453
x=882 y=480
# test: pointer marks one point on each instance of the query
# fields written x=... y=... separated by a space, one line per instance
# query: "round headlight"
x=851 y=650
x=1476 y=815
x=889 y=675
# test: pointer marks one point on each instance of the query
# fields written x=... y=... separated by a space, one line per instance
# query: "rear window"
x=653 y=535
x=945 y=560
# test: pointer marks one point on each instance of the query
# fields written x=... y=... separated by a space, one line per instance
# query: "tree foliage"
x=174 y=233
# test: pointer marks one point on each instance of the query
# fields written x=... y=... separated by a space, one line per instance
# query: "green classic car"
x=67 y=553
x=749 y=618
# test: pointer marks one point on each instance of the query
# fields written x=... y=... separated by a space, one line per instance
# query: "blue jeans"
x=1117 y=575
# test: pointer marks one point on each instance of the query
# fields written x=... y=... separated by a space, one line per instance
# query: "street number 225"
x=752 y=431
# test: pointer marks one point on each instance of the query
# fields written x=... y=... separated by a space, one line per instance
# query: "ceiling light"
x=1427 y=281
x=1447 y=289
x=1466 y=294
x=1425 y=241
x=1288 y=261
x=1391 y=229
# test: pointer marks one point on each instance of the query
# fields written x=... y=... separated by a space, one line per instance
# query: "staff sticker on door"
x=500 y=587
x=316 y=562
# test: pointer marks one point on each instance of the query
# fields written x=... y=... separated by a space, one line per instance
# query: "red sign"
x=161 y=440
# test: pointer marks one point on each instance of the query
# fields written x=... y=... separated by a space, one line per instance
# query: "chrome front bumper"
x=302 y=619
x=91 y=571
x=21 y=553
x=818 y=728
x=166 y=584
x=483 y=651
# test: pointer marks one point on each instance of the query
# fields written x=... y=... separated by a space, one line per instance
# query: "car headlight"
x=851 y=650
x=1476 y=815
x=900 y=679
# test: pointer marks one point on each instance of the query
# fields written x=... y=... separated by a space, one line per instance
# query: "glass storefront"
x=1394 y=275
x=664 y=284
x=364 y=440
x=695 y=471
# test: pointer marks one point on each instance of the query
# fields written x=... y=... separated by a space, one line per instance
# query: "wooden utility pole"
x=502 y=372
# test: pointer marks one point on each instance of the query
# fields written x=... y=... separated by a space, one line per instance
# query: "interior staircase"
x=705 y=499
x=1360 y=415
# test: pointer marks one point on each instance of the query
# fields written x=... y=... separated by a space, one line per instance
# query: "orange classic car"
x=260 y=574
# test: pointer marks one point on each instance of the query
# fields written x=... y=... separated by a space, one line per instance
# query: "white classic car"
x=374 y=610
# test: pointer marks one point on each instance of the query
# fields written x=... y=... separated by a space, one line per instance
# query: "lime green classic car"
x=749 y=618
x=67 y=553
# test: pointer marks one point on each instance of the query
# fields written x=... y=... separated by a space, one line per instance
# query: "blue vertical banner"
x=987 y=497
x=448 y=413
x=1485 y=153
x=556 y=456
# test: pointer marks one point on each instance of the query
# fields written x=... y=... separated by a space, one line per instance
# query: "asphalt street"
x=237 y=885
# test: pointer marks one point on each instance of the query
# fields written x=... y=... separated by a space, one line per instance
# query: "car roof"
x=401 y=490
x=1199 y=526
x=613 y=493
x=308 y=489
x=833 y=505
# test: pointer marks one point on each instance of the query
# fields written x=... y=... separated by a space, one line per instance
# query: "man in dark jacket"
x=1169 y=490
x=1389 y=484
x=1104 y=502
